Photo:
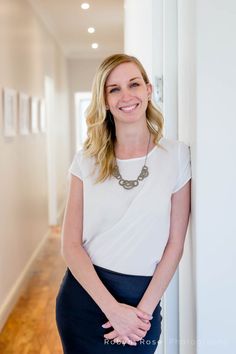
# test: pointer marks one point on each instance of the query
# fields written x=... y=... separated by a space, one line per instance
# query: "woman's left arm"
x=180 y=210
x=165 y=270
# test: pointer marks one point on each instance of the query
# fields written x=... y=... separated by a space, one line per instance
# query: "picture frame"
x=9 y=112
x=24 y=114
x=34 y=115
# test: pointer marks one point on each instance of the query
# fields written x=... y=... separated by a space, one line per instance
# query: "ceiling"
x=68 y=23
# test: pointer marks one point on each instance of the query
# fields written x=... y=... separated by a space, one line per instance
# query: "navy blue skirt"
x=79 y=319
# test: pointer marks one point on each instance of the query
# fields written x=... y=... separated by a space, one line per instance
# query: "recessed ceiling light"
x=94 y=45
x=85 y=6
x=91 y=30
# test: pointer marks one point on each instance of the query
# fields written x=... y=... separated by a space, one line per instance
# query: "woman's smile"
x=129 y=108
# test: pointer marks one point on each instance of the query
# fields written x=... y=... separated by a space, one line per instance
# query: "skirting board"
x=20 y=284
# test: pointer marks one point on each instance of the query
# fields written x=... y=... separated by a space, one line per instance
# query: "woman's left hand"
x=116 y=338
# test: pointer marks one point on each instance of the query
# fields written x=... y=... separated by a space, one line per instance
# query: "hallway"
x=50 y=50
x=31 y=327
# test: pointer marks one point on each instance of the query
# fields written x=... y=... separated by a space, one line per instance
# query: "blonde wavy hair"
x=101 y=134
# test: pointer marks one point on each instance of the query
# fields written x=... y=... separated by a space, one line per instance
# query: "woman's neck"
x=131 y=144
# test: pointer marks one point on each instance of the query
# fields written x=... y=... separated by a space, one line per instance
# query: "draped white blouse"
x=127 y=230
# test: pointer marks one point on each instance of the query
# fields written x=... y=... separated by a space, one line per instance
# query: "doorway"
x=82 y=100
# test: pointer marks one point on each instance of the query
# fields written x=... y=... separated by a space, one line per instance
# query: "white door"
x=51 y=160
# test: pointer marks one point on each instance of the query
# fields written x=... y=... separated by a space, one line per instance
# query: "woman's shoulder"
x=173 y=144
x=82 y=165
x=177 y=150
x=81 y=155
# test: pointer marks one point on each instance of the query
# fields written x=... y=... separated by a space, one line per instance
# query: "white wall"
x=208 y=120
x=28 y=53
x=138 y=32
x=215 y=176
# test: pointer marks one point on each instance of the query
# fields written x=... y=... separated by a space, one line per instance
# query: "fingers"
x=119 y=339
x=107 y=325
x=140 y=333
x=145 y=326
x=143 y=315
x=145 y=321
x=111 y=335
x=124 y=340
x=131 y=340
x=135 y=338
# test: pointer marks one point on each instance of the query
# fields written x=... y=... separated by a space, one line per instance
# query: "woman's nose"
x=126 y=94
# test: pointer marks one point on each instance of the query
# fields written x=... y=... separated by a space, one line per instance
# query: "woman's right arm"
x=123 y=320
x=73 y=252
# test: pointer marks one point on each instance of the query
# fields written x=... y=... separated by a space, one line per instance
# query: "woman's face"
x=127 y=93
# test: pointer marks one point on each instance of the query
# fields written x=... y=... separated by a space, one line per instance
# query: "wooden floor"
x=31 y=327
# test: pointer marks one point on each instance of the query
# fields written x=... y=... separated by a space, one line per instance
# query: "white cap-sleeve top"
x=127 y=230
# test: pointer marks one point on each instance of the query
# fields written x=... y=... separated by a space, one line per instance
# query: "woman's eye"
x=114 y=89
x=134 y=84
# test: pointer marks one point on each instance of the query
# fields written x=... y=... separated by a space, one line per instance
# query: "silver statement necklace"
x=129 y=184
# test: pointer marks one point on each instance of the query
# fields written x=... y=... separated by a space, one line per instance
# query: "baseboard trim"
x=17 y=289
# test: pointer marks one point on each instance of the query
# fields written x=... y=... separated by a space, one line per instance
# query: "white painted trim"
x=187 y=131
x=170 y=110
x=20 y=284
x=170 y=68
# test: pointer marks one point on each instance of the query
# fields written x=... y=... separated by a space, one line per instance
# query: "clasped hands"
x=129 y=323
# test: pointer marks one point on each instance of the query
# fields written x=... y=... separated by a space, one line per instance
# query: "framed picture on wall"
x=9 y=112
x=24 y=114
x=34 y=115
x=42 y=116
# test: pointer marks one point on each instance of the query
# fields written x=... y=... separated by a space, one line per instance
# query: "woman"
x=125 y=220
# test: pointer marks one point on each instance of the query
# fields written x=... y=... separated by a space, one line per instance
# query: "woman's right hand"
x=128 y=322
